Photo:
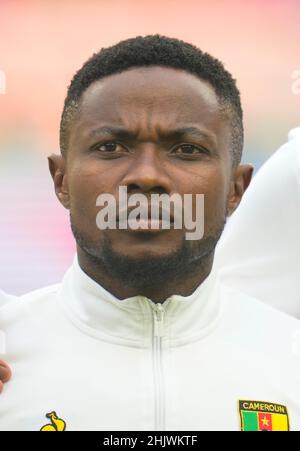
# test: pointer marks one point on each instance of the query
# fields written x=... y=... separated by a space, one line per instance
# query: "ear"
x=57 y=168
x=241 y=178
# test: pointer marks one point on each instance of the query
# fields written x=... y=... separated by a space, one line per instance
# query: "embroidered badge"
x=57 y=424
x=263 y=416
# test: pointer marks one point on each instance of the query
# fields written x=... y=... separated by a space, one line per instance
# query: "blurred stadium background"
x=42 y=43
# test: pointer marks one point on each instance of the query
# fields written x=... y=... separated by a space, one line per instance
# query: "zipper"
x=158 y=330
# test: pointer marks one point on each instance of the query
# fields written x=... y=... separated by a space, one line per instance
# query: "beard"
x=145 y=271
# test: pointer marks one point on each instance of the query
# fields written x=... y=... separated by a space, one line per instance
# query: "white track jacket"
x=84 y=360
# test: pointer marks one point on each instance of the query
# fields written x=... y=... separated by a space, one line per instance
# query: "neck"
x=183 y=284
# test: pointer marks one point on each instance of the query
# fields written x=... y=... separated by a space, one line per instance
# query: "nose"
x=148 y=173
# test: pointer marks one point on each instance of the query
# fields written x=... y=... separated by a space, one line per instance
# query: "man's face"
x=153 y=130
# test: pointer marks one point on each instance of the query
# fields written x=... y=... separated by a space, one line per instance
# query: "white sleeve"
x=259 y=251
x=4 y=298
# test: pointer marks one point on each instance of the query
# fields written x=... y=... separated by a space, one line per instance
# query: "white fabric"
x=106 y=364
x=259 y=252
x=4 y=298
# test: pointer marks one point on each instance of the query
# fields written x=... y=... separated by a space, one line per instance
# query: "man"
x=259 y=250
x=140 y=331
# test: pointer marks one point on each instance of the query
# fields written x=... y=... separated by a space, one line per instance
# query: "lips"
x=153 y=223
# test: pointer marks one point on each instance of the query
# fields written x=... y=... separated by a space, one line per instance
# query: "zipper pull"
x=158 y=320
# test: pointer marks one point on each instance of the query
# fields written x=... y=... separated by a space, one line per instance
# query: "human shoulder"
x=33 y=301
x=40 y=293
x=254 y=321
x=4 y=298
x=245 y=304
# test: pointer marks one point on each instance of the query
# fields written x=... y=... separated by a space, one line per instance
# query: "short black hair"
x=157 y=50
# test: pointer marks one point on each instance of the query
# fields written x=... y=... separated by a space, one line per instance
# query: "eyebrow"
x=172 y=134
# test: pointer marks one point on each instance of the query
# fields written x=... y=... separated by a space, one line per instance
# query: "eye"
x=109 y=147
x=189 y=149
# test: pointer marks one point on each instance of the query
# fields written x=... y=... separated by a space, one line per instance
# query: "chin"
x=143 y=251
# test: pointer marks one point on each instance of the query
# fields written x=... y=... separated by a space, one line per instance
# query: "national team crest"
x=263 y=416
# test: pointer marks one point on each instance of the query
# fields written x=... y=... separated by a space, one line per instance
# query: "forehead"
x=151 y=97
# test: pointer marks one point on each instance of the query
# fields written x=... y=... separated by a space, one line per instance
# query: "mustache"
x=155 y=212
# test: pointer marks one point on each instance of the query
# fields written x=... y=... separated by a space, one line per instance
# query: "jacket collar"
x=132 y=321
